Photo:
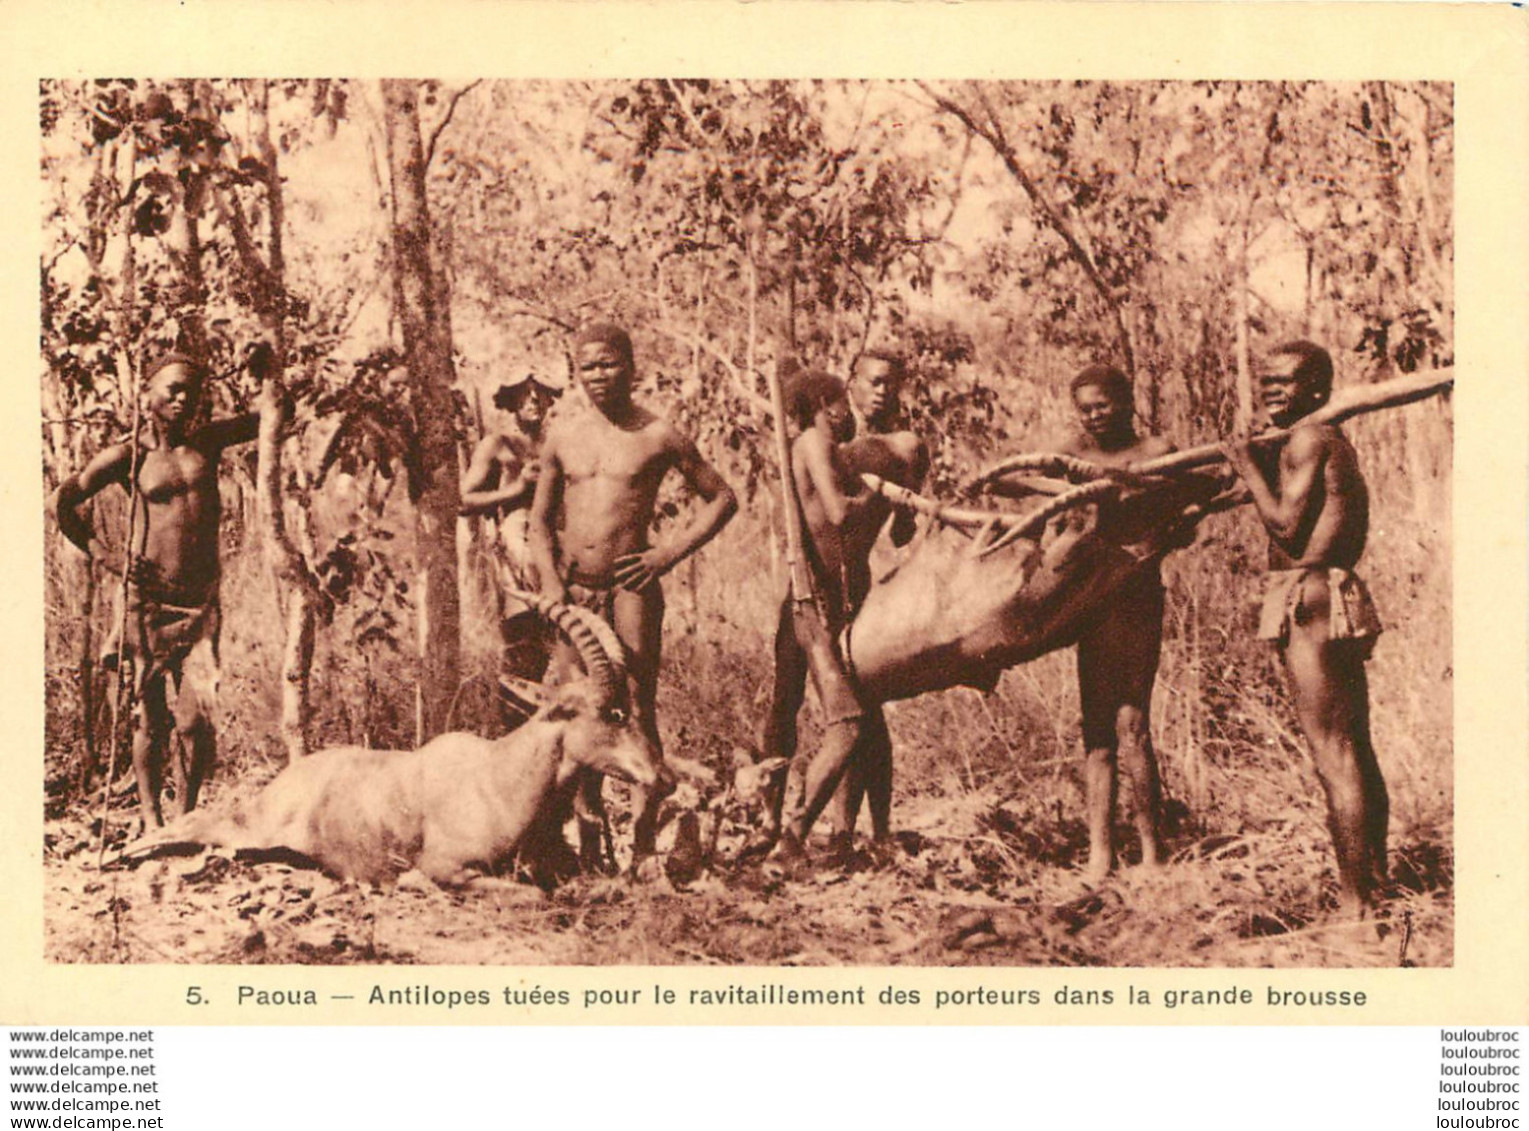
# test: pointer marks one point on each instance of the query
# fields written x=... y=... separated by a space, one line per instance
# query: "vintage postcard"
x=447 y=453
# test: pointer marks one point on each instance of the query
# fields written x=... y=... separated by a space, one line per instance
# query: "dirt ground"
x=970 y=881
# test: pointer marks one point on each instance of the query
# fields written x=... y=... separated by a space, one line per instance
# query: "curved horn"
x=595 y=641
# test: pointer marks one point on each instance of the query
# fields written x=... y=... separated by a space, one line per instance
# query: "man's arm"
x=718 y=505
x=109 y=466
x=225 y=433
x=273 y=399
x=495 y=478
x=1283 y=512
x=904 y=521
x=541 y=534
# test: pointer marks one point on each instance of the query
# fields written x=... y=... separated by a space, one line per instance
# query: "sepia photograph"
x=792 y=522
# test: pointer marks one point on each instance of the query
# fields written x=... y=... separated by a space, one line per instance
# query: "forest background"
x=405 y=246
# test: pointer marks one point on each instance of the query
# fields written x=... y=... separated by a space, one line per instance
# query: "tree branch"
x=451 y=109
x=735 y=375
x=992 y=133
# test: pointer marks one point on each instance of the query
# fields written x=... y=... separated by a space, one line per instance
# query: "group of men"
x=575 y=497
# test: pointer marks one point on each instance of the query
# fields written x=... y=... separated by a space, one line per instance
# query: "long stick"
x=1354 y=402
x=796 y=561
x=124 y=691
x=1350 y=402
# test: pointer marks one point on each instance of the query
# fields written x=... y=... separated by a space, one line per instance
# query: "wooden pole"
x=1347 y=403
x=796 y=561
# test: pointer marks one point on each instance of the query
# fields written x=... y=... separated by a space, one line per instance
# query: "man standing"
x=499 y=484
x=1313 y=502
x=590 y=522
x=1118 y=652
x=883 y=448
x=173 y=570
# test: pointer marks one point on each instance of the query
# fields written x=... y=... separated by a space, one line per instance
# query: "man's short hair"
x=809 y=393
x=1314 y=365
x=1113 y=381
x=606 y=334
x=896 y=364
x=174 y=357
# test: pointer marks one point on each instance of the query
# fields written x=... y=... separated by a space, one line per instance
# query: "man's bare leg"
x=824 y=773
x=151 y=732
x=1117 y=667
x=199 y=749
x=196 y=696
x=1327 y=681
x=638 y=619
x=869 y=777
x=1139 y=761
x=843 y=808
x=1097 y=690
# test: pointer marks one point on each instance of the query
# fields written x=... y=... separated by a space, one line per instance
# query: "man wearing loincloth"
x=1313 y=501
x=589 y=529
x=173 y=615
x=499 y=484
x=1118 y=651
x=884 y=447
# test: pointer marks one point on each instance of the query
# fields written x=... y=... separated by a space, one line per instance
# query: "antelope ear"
x=771 y=765
x=568 y=702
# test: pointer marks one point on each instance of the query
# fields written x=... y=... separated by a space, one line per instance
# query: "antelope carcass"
x=459 y=804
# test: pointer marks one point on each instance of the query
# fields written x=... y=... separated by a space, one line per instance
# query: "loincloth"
x=179 y=642
x=512 y=555
x=526 y=643
x=1351 y=612
x=598 y=599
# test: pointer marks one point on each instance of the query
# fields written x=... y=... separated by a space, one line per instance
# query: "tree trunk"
x=299 y=589
x=183 y=241
x=427 y=352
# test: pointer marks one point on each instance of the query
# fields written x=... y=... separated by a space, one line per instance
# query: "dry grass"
x=988 y=799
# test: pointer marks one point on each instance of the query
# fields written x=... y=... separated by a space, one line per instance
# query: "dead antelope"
x=459 y=804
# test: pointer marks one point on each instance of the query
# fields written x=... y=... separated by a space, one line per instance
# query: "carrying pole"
x=796 y=561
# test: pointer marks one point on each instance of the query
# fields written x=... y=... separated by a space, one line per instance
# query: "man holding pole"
x=171 y=607
x=831 y=519
x=898 y=456
x=1313 y=501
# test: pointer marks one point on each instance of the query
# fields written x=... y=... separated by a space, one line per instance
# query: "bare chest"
x=164 y=476
x=603 y=453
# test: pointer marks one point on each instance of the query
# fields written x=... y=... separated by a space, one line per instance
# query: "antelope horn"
x=1054 y=463
x=595 y=641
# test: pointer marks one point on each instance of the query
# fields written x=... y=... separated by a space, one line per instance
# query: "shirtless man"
x=1314 y=503
x=1118 y=652
x=173 y=614
x=899 y=456
x=590 y=520
x=840 y=520
x=499 y=484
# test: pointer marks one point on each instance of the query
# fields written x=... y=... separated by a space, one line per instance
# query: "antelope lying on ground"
x=456 y=806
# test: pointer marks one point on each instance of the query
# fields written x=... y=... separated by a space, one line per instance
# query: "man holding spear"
x=171 y=612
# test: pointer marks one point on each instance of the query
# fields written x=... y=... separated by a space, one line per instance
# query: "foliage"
x=1001 y=235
